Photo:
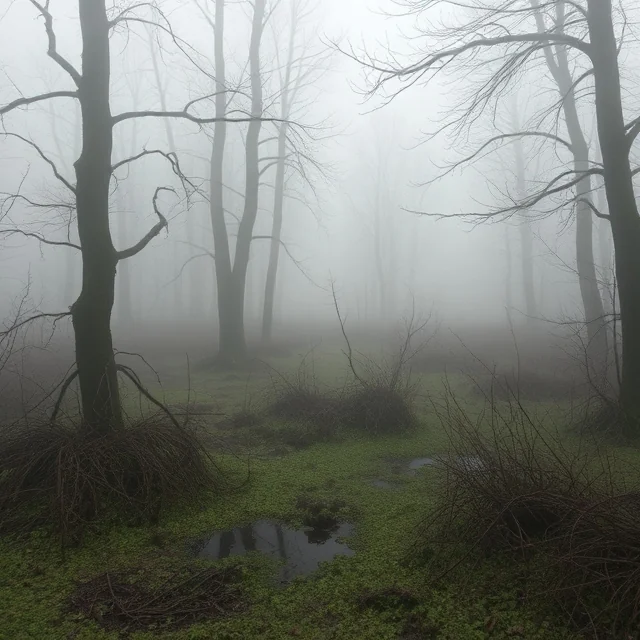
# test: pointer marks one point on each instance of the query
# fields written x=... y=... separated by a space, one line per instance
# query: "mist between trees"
x=213 y=166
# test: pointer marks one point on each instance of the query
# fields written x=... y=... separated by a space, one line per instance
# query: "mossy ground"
x=381 y=592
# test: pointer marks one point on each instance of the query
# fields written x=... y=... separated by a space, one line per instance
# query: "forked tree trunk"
x=625 y=221
x=231 y=277
x=91 y=313
x=231 y=282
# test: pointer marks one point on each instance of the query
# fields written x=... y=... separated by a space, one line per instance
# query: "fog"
x=359 y=167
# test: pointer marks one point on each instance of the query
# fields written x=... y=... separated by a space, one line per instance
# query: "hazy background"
x=364 y=155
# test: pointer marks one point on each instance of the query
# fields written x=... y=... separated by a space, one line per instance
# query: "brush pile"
x=563 y=508
x=60 y=475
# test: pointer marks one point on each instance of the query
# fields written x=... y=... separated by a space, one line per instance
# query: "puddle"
x=302 y=550
x=418 y=463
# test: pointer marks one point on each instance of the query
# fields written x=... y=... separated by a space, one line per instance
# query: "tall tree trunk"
x=177 y=286
x=276 y=232
x=226 y=329
x=91 y=313
x=592 y=302
x=605 y=254
x=508 y=274
x=625 y=221
x=233 y=345
x=377 y=245
x=526 y=233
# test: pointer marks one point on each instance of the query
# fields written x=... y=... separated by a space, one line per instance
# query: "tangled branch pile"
x=532 y=495
x=378 y=399
x=50 y=473
x=121 y=601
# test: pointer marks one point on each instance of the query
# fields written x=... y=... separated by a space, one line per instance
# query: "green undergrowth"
x=382 y=592
x=375 y=594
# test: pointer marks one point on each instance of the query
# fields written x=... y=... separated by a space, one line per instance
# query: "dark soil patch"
x=128 y=602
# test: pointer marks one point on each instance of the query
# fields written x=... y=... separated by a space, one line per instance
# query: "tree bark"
x=625 y=221
x=91 y=313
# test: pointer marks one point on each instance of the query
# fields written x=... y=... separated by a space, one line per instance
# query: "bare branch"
x=139 y=246
x=52 y=52
x=185 y=115
x=295 y=262
x=42 y=154
x=23 y=102
x=39 y=316
x=40 y=238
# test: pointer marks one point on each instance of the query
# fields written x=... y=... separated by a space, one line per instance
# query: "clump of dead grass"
x=376 y=408
x=68 y=477
x=560 y=507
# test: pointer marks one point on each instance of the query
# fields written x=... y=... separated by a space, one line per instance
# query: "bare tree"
x=500 y=41
x=302 y=68
x=526 y=233
x=557 y=60
x=91 y=313
x=231 y=273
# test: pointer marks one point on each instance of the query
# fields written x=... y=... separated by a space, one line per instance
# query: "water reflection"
x=302 y=550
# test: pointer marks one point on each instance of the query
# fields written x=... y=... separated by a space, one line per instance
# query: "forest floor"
x=377 y=586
